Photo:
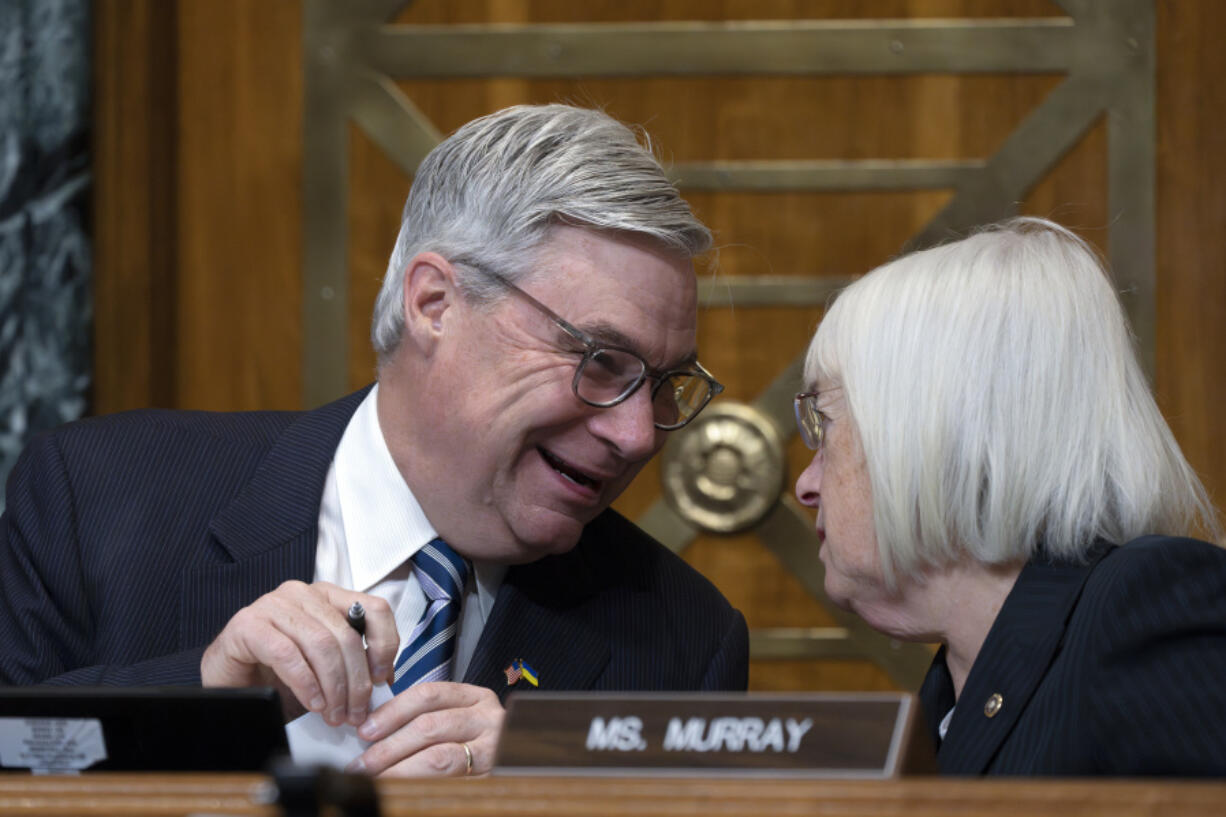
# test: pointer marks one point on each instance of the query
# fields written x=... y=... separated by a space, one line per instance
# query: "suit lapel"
x=269 y=530
x=534 y=618
x=1014 y=659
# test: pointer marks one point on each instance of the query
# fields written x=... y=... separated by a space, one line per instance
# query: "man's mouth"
x=570 y=472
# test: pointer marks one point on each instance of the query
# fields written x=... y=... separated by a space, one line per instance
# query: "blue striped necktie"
x=441 y=573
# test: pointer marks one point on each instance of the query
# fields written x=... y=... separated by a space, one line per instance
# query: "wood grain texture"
x=1191 y=204
x=135 y=220
x=137 y=795
x=239 y=203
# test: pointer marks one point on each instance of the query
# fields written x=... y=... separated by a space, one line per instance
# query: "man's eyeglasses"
x=608 y=375
x=809 y=420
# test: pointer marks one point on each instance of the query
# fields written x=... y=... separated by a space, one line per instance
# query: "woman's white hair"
x=488 y=195
x=1000 y=406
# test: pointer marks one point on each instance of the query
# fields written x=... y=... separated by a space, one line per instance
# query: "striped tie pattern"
x=427 y=657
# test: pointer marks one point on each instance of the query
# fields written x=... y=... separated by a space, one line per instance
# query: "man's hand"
x=297 y=638
x=423 y=732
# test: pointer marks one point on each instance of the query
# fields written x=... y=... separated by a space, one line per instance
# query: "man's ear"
x=429 y=292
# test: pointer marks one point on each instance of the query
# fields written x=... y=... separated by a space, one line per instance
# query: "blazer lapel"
x=534 y=618
x=269 y=531
x=1014 y=658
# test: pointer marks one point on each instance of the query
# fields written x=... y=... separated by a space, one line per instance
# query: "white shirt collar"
x=384 y=523
x=943 y=726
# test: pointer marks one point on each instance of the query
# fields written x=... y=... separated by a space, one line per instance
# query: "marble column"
x=45 y=280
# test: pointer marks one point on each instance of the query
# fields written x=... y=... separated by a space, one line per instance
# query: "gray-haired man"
x=536 y=342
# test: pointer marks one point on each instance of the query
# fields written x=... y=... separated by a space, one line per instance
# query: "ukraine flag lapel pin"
x=518 y=669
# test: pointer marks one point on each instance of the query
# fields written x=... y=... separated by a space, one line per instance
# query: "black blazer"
x=129 y=541
x=1115 y=667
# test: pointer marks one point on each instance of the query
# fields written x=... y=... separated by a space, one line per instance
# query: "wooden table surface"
x=145 y=795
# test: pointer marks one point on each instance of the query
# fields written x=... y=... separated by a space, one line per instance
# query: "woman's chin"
x=839 y=596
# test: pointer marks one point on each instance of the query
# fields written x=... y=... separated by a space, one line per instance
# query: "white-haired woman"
x=992 y=473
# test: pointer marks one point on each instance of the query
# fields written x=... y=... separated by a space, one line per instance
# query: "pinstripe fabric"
x=619 y=612
x=427 y=656
x=1117 y=667
x=129 y=541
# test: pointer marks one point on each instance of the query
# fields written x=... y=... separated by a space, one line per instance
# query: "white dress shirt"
x=370 y=524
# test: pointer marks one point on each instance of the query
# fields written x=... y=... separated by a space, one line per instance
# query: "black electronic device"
x=68 y=729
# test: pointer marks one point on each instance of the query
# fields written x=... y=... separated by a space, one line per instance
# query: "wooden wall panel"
x=1191 y=202
x=229 y=268
x=135 y=225
x=376 y=183
x=198 y=160
x=240 y=165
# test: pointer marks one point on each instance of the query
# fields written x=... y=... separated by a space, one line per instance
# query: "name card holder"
x=73 y=729
x=814 y=735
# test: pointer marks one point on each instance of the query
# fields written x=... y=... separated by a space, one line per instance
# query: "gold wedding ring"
x=468 y=759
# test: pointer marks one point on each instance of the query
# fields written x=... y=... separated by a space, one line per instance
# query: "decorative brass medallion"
x=727 y=471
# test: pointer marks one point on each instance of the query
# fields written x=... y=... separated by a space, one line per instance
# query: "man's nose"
x=809 y=483
x=629 y=426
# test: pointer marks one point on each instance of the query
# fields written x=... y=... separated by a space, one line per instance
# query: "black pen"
x=357 y=617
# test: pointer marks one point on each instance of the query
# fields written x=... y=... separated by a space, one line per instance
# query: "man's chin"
x=538 y=538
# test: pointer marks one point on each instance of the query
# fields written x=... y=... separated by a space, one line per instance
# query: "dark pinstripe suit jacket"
x=129 y=541
x=1116 y=667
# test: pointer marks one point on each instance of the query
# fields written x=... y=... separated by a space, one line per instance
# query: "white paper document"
x=312 y=742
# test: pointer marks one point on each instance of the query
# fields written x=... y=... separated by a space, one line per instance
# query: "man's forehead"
x=608 y=334
x=614 y=256
x=615 y=288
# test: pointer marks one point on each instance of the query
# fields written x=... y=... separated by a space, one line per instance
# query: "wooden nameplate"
x=821 y=735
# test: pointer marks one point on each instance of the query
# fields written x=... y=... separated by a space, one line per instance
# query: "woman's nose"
x=809 y=483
